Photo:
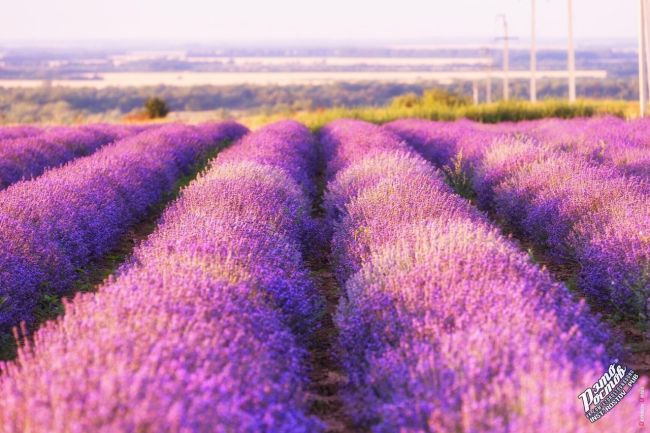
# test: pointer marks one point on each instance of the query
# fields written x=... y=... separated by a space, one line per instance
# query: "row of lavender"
x=56 y=224
x=600 y=140
x=28 y=152
x=195 y=333
x=587 y=215
x=20 y=131
x=609 y=140
x=444 y=324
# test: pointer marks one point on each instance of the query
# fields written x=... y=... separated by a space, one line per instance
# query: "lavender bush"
x=608 y=140
x=444 y=324
x=586 y=214
x=194 y=334
x=21 y=131
x=56 y=224
x=29 y=156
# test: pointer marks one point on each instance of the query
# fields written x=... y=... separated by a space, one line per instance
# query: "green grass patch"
x=437 y=105
x=459 y=177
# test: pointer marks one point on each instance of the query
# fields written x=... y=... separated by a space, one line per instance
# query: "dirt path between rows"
x=327 y=378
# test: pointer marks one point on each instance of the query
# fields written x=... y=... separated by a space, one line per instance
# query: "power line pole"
x=572 y=57
x=533 y=54
x=506 y=58
x=646 y=45
x=642 y=55
x=488 y=83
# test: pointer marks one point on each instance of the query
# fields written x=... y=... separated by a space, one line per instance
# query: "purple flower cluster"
x=440 y=142
x=299 y=161
x=444 y=324
x=29 y=156
x=581 y=211
x=194 y=334
x=56 y=224
x=607 y=140
x=262 y=190
x=9 y=132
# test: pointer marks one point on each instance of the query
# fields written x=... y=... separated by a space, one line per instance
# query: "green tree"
x=156 y=108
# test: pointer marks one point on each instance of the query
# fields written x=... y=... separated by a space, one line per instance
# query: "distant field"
x=128 y=79
x=345 y=61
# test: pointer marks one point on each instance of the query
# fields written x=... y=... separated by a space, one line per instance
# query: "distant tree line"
x=61 y=104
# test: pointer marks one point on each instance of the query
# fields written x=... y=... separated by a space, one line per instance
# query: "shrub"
x=156 y=108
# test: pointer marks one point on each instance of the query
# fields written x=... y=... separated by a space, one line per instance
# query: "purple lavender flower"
x=566 y=190
x=11 y=132
x=56 y=224
x=444 y=324
x=25 y=157
x=195 y=332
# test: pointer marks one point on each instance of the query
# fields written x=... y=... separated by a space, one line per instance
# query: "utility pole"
x=572 y=57
x=646 y=45
x=533 y=53
x=506 y=58
x=642 y=54
x=487 y=52
x=488 y=85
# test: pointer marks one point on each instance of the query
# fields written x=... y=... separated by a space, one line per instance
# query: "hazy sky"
x=300 y=20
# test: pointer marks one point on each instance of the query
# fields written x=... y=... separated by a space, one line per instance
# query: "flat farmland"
x=132 y=79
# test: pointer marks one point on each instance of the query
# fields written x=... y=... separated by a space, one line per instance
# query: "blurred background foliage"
x=373 y=101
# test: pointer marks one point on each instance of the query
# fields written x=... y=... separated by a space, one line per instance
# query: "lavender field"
x=416 y=276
